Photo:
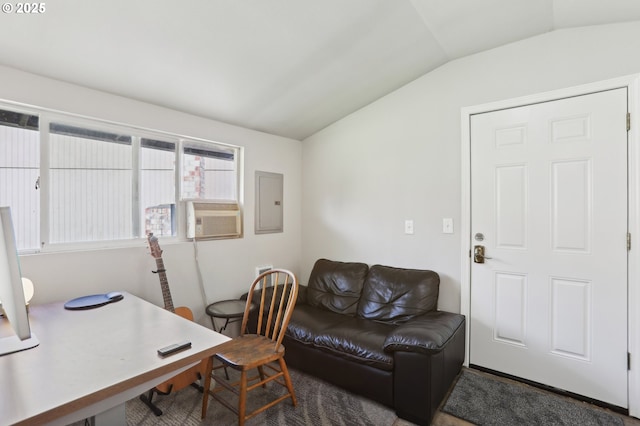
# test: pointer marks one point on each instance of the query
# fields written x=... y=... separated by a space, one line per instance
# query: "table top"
x=228 y=308
x=88 y=356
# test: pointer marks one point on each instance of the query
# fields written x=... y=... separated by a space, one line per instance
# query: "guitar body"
x=184 y=312
x=191 y=375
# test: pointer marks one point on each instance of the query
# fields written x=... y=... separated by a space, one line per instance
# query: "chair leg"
x=262 y=376
x=242 y=403
x=206 y=386
x=287 y=381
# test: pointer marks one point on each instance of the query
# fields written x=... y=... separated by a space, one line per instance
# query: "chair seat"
x=248 y=351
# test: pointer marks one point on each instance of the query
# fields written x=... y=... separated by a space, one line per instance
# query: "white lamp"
x=27 y=286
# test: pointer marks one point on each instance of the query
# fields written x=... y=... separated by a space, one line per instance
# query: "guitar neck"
x=164 y=284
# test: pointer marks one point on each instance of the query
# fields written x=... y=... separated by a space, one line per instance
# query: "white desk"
x=90 y=361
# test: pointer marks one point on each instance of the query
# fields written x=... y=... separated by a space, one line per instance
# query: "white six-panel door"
x=549 y=207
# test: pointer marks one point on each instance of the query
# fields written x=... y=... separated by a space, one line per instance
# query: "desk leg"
x=206 y=385
x=115 y=416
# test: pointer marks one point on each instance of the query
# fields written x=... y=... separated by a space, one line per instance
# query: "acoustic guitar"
x=193 y=374
x=156 y=253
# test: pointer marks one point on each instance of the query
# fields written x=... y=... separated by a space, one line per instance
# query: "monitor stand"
x=13 y=344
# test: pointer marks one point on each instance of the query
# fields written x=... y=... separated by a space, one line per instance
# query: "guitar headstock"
x=154 y=247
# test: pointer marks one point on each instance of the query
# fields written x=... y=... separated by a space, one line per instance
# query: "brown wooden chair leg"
x=262 y=376
x=287 y=381
x=242 y=403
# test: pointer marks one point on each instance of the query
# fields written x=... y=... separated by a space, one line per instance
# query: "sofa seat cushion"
x=360 y=340
x=396 y=295
x=336 y=286
x=344 y=336
x=307 y=322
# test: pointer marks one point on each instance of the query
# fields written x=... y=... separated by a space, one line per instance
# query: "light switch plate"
x=447 y=225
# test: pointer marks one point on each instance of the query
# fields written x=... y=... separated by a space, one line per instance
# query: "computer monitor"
x=11 y=291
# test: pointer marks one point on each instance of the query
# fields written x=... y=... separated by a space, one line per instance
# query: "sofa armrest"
x=428 y=333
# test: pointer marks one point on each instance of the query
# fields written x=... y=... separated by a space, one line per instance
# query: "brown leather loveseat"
x=377 y=332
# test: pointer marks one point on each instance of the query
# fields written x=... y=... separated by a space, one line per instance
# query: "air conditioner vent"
x=213 y=220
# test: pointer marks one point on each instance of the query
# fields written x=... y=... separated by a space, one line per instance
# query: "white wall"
x=227 y=266
x=396 y=159
x=399 y=158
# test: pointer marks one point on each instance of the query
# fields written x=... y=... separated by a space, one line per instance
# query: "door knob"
x=478 y=254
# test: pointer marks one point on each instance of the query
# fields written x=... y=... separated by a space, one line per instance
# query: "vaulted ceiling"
x=286 y=67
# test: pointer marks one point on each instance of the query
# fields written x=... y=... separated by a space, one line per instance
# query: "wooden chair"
x=262 y=351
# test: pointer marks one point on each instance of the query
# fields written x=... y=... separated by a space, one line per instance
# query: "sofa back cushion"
x=397 y=295
x=336 y=286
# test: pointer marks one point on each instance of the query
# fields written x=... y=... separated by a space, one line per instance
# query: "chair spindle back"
x=277 y=291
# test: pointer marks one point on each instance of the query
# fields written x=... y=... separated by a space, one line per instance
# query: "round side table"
x=229 y=310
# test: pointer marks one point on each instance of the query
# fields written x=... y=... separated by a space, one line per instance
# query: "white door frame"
x=632 y=84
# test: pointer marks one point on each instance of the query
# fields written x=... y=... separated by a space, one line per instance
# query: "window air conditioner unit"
x=213 y=220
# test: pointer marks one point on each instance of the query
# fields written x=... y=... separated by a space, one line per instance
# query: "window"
x=208 y=173
x=71 y=180
x=158 y=187
x=19 y=172
x=90 y=181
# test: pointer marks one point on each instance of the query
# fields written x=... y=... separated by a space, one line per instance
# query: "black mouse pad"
x=89 y=302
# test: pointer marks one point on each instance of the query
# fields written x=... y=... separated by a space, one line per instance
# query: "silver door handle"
x=478 y=254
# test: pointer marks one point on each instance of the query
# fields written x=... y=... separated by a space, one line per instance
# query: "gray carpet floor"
x=319 y=403
x=484 y=400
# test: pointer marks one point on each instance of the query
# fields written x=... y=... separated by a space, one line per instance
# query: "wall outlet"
x=408 y=226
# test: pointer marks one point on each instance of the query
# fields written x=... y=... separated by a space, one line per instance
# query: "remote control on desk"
x=171 y=349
